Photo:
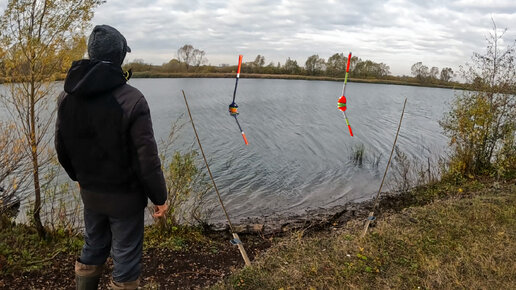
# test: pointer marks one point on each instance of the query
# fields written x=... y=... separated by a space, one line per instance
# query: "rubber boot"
x=125 y=285
x=87 y=277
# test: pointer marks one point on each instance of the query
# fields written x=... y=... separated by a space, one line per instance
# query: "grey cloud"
x=396 y=32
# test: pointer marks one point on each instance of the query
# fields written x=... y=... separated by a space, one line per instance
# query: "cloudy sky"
x=396 y=32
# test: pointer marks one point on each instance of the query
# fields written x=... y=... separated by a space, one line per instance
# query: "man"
x=105 y=142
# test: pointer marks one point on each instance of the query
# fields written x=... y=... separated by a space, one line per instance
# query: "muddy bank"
x=318 y=219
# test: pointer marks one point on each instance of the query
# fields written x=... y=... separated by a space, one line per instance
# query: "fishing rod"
x=371 y=216
x=233 y=107
x=341 y=103
x=236 y=240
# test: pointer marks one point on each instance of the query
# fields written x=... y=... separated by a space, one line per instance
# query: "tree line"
x=192 y=60
x=425 y=75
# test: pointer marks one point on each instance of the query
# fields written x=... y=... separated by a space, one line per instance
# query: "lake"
x=299 y=153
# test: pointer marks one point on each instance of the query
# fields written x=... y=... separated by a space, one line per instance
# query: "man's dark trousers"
x=122 y=237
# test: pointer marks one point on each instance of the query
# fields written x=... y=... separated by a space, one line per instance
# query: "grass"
x=357 y=154
x=21 y=249
x=178 y=238
x=444 y=235
x=465 y=240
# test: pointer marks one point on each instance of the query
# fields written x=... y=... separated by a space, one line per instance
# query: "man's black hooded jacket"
x=104 y=140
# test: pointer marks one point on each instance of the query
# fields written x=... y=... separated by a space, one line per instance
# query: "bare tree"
x=40 y=39
x=259 y=61
x=446 y=74
x=191 y=56
x=185 y=54
x=434 y=71
x=419 y=70
x=199 y=57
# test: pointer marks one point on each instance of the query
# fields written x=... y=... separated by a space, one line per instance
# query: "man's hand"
x=160 y=210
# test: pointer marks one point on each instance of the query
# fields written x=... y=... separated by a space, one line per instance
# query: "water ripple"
x=299 y=146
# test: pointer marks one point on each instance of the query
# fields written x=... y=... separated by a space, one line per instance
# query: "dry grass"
x=460 y=242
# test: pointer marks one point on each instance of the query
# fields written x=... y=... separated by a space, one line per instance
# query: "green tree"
x=2 y=65
x=315 y=65
x=336 y=64
x=353 y=63
x=40 y=39
x=383 y=70
x=482 y=121
x=368 y=68
x=255 y=66
x=174 y=65
x=269 y=69
x=291 y=67
x=139 y=65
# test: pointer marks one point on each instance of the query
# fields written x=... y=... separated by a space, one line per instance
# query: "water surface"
x=299 y=147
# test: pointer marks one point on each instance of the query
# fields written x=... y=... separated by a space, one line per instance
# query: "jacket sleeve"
x=148 y=162
x=62 y=156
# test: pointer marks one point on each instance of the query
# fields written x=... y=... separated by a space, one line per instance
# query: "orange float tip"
x=350 y=131
x=349 y=62
x=245 y=139
x=239 y=63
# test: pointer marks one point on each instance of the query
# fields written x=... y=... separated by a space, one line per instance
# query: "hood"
x=92 y=77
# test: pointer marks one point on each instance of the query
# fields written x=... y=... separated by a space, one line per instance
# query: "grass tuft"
x=357 y=155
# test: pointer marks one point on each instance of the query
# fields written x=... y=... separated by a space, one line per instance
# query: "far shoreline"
x=294 y=77
x=158 y=75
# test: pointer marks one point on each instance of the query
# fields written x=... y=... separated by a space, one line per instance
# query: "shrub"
x=481 y=124
x=13 y=174
x=186 y=184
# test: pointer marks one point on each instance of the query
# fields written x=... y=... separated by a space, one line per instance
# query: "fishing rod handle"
x=242 y=250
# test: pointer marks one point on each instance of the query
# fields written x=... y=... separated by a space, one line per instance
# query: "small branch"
x=199 y=273
x=45 y=260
